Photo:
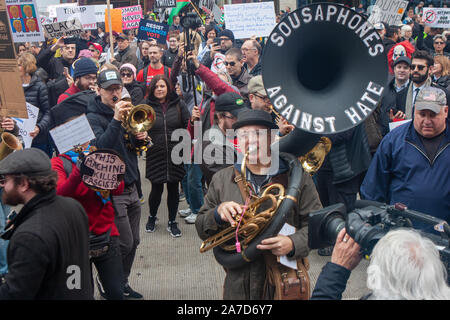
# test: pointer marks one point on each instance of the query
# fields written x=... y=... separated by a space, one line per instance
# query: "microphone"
x=115 y=99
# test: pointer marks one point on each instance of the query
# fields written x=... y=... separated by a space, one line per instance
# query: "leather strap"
x=240 y=183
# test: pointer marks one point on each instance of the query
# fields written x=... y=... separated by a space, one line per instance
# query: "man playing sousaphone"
x=224 y=203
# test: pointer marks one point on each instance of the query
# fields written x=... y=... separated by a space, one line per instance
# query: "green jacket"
x=248 y=282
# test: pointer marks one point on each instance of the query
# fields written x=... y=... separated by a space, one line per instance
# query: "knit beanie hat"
x=83 y=67
x=130 y=67
x=227 y=33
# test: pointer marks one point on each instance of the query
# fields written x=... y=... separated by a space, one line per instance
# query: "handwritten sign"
x=25 y=21
x=103 y=169
x=86 y=15
x=100 y=12
x=149 y=29
x=65 y=28
x=72 y=133
x=249 y=19
x=28 y=125
x=165 y=4
x=389 y=11
x=436 y=17
x=131 y=17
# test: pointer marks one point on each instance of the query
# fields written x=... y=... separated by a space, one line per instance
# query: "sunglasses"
x=420 y=67
x=126 y=75
x=439 y=42
x=232 y=63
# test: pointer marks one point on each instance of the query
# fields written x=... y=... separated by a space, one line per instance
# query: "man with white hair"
x=403 y=266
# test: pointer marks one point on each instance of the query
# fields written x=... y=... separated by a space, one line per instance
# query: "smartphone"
x=217 y=41
x=66 y=71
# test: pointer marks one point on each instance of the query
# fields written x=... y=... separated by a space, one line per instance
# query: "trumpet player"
x=223 y=204
x=105 y=114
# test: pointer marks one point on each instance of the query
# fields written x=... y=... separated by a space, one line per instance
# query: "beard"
x=419 y=78
x=11 y=198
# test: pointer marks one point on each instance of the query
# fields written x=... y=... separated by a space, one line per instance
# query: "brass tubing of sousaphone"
x=8 y=144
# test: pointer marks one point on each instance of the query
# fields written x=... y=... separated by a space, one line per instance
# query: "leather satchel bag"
x=284 y=283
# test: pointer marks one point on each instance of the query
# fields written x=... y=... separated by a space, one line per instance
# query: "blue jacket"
x=401 y=172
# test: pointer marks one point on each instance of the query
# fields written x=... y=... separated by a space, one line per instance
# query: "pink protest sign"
x=131 y=17
x=103 y=169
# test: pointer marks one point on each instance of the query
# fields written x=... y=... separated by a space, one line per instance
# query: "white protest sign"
x=389 y=11
x=28 y=125
x=436 y=17
x=24 y=20
x=249 y=19
x=72 y=133
x=86 y=15
x=69 y=28
x=287 y=230
x=393 y=125
x=52 y=8
x=100 y=12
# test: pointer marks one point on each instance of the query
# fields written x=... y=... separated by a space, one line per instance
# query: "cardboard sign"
x=159 y=4
x=28 y=125
x=86 y=15
x=436 y=17
x=207 y=5
x=131 y=17
x=12 y=98
x=100 y=12
x=250 y=19
x=72 y=133
x=65 y=28
x=24 y=20
x=116 y=20
x=103 y=169
x=389 y=11
x=149 y=29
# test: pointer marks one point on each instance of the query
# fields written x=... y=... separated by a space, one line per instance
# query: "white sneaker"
x=185 y=212
x=191 y=218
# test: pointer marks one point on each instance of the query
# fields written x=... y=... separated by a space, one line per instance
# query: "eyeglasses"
x=439 y=42
x=257 y=95
x=92 y=50
x=226 y=116
x=224 y=38
x=126 y=75
x=245 y=49
x=420 y=67
x=232 y=63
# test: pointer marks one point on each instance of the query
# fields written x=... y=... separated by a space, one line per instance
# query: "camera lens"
x=334 y=224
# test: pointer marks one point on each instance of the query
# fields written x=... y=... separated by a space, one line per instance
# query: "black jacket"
x=169 y=57
x=53 y=66
x=388 y=44
x=444 y=82
x=391 y=100
x=137 y=91
x=159 y=165
x=48 y=249
x=109 y=134
x=331 y=282
x=36 y=94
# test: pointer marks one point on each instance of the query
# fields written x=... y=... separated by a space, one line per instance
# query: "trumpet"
x=9 y=143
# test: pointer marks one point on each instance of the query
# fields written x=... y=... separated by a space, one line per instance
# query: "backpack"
x=73 y=106
x=166 y=73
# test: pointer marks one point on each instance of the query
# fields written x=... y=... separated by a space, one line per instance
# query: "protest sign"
x=159 y=4
x=116 y=20
x=393 y=125
x=389 y=11
x=64 y=28
x=249 y=19
x=72 y=133
x=24 y=19
x=149 y=29
x=218 y=14
x=28 y=125
x=86 y=15
x=131 y=17
x=100 y=12
x=436 y=17
x=52 y=8
x=12 y=98
x=207 y=5
x=103 y=169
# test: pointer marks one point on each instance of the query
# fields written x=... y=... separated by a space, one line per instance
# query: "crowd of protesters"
x=211 y=84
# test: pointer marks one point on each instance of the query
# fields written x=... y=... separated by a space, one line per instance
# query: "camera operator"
x=403 y=266
x=411 y=163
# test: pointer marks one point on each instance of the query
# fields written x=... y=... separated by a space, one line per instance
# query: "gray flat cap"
x=30 y=162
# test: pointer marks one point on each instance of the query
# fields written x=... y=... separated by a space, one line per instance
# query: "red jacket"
x=71 y=91
x=101 y=216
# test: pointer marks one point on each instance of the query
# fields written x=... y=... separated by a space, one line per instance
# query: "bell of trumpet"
x=139 y=119
x=9 y=143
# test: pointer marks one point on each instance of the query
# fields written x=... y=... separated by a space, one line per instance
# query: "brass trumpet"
x=9 y=143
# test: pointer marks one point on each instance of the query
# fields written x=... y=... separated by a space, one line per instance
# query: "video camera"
x=369 y=222
x=190 y=21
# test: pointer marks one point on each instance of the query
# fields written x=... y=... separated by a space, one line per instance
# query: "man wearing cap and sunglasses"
x=411 y=164
x=126 y=54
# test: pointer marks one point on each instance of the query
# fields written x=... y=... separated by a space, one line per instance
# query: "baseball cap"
x=378 y=26
x=231 y=102
x=30 y=162
x=431 y=98
x=404 y=59
x=97 y=46
x=122 y=36
x=106 y=78
x=255 y=85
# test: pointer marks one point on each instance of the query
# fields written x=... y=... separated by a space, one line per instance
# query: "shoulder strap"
x=240 y=183
x=67 y=165
x=145 y=75
x=166 y=71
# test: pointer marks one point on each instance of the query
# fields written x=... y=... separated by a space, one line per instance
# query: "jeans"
x=128 y=216
x=4 y=211
x=110 y=270
x=194 y=188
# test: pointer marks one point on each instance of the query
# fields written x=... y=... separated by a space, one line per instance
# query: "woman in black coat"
x=36 y=94
x=171 y=114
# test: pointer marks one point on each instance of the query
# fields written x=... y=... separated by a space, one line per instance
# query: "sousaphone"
x=324 y=69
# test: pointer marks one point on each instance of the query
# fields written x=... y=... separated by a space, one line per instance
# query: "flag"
x=180 y=5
